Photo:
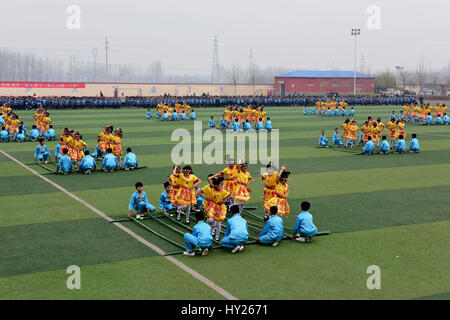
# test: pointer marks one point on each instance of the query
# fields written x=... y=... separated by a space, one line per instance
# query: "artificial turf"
x=390 y=211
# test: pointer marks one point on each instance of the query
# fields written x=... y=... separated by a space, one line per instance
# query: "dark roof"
x=322 y=74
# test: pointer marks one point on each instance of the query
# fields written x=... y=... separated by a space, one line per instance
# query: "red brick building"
x=323 y=82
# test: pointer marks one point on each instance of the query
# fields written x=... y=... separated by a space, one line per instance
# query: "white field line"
x=178 y=263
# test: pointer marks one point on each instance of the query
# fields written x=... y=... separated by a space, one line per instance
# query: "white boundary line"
x=178 y=263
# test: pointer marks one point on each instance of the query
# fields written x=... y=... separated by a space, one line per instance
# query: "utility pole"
x=215 y=62
x=252 y=78
x=106 y=60
x=94 y=58
x=355 y=33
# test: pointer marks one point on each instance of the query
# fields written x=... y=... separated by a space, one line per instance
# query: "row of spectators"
x=30 y=102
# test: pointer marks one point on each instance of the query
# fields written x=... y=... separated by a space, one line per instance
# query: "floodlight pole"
x=355 y=32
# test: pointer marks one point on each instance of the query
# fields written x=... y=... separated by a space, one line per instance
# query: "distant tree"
x=385 y=80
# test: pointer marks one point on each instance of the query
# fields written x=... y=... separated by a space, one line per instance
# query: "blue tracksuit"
x=165 y=117
x=304 y=225
x=272 y=231
x=164 y=203
x=140 y=205
x=343 y=112
x=88 y=163
x=4 y=135
x=385 y=147
x=236 y=126
x=236 y=232
x=337 y=139
x=58 y=151
x=130 y=160
x=392 y=117
x=429 y=120
x=268 y=125
x=34 y=134
x=323 y=140
x=369 y=147
x=174 y=116
x=50 y=134
x=247 y=126
x=400 y=146
x=20 y=136
x=109 y=162
x=438 y=120
x=414 y=145
x=259 y=125
x=64 y=164
x=201 y=237
x=446 y=119
x=212 y=123
x=42 y=153
x=328 y=113
x=336 y=112
x=223 y=123
x=149 y=115
x=183 y=116
x=352 y=112
x=193 y=116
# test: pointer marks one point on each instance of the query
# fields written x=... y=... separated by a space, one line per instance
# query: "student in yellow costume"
x=186 y=196
x=116 y=145
x=242 y=192
x=280 y=198
x=214 y=206
x=77 y=146
x=230 y=175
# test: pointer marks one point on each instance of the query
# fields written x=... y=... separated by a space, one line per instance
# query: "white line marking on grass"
x=178 y=263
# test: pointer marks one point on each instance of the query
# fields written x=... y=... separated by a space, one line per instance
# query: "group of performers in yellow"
x=227 y=187
x=240 y=114
x=172 y=112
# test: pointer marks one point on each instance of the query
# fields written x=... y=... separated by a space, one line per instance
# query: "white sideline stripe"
x=178 y=263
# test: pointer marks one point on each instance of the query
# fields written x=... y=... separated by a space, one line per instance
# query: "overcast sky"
x=282 y=33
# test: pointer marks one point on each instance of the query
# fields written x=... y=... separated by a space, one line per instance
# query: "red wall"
x=323 y=85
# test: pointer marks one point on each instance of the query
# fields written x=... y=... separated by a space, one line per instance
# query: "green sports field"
x=391 y=211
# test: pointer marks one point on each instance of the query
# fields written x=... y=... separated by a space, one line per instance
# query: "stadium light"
x=355 y=32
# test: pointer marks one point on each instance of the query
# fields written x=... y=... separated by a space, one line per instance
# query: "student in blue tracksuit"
x=247 y=125
x=139 y=202
x=328 y=113
x=369 y=146
x=236 y=234
x=165 y=116
x=20 y=135
x=87 y=164
x=109 y=161
x=24 y=128
x=50 y=134
x=337 y=137
x=414 y=146
x=223 y=123
x=34 y=133
x=400 y=147
x=200 y=200
x=343 y=112
x=312 y=110
x=305 y=111
x=149 y=114
x=446 y=119
x=41 y=152
x=236 y=126
x=183 y=116
x=4 y=135
x=304 y=228
x=174 y=115
x=323 y=140
x=212 y=122
x=438 y=120
x=336 y=112
x=268 y=124
x=352 y=112
x=65 y=163
x=429 y=120
x=392 y=116
x=164 y=202
x=273 y=231
x=201 y=236
x=385 y=148
x=192 y=115
x=259 y=125
x=58 y=151
x=130 y=161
